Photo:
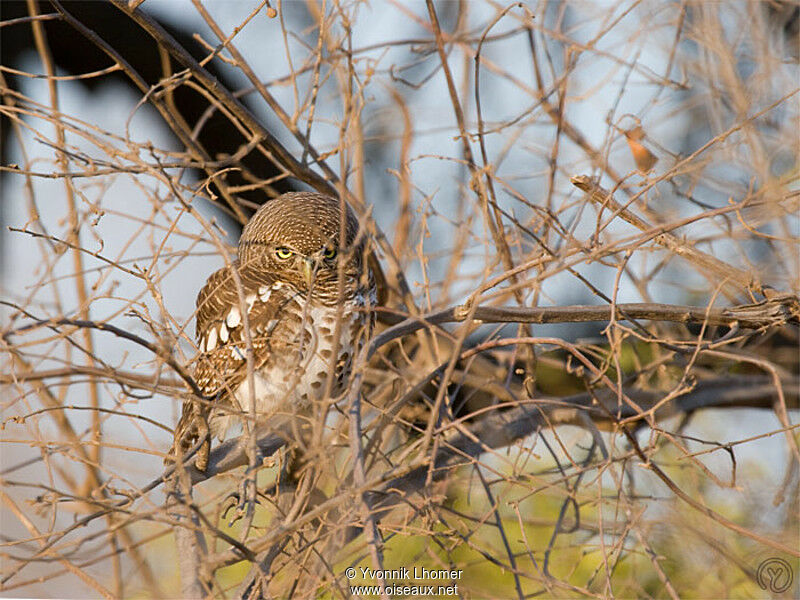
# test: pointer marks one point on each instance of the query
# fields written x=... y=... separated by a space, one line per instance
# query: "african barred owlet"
x=291 y=261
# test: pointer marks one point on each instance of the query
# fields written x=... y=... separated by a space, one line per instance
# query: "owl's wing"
x=222 y=363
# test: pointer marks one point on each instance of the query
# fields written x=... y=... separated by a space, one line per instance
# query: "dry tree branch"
x=720 y=270
x=774 y=312
x=499 y=429
x=442 y=450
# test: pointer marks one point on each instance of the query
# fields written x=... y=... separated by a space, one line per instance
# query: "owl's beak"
x=308 y=270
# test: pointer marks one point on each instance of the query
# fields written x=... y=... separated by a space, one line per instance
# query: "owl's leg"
x=201 y=460
x=190 y=429
x=289 y=468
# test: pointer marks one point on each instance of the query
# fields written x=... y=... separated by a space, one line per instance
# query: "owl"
x=293 y=286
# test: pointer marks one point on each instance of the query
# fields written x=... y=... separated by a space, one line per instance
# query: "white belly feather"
x=284 y=387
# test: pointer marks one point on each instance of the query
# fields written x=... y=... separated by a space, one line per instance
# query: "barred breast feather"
x=292 y=341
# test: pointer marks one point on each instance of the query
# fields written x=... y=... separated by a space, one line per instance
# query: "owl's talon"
x=242 y=507
x=243 y=500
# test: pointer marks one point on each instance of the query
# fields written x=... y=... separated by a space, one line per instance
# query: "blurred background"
x=683 y=109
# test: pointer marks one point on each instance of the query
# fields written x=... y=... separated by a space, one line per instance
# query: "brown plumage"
x=290 y=263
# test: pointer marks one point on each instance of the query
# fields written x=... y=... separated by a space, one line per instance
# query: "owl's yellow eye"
x=329 y=253
x=283 y=253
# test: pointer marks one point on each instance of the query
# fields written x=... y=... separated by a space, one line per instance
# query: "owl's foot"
x=244 y=499
x=242 y=502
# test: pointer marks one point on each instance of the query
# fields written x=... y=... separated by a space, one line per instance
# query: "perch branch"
x=773 y=312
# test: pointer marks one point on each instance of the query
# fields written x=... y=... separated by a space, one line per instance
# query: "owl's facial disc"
x=306 y=271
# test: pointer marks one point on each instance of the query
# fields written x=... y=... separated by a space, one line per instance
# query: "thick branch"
x=281 y=156
x=774 y=312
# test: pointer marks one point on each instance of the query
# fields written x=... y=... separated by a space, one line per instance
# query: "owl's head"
x=299 y=236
